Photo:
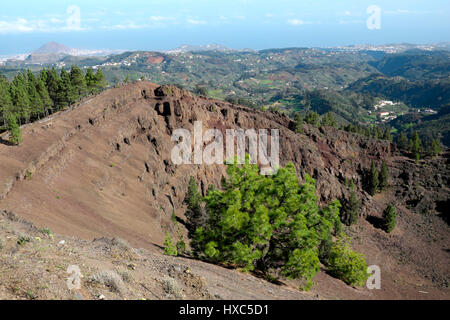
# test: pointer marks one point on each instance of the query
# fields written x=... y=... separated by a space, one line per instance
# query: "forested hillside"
x=29 y=97
x=417 y=94
x=348 y=84
x=415 y=65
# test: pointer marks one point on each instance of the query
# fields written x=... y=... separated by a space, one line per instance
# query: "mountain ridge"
x=102 y=168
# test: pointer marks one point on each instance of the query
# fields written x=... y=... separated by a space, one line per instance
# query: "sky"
x=257 y=24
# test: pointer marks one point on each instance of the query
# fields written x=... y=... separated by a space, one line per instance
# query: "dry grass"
x=171 y=287
x=110 y=279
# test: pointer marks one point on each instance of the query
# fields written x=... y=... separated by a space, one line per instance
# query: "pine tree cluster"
x=29 y=97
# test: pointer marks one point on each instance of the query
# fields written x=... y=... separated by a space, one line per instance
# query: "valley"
x=349 y=82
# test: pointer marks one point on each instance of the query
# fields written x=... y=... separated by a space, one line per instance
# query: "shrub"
x=126 y=276
x=171 y=287
x=23 y=239
x=346 y=264
x=181 y=246
x=47 y=232
x=201 y=90
x=302 y=264
x=110 y=279
x=169 y=247
x=121 y=244
x=350 y=211
x=389 y=218
x=325 y=249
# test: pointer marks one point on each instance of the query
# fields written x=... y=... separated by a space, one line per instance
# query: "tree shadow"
x=6 y=142
x=442 y=207
x=262 y=275
x=158 y=246
x=375 y=221
x=181 y=221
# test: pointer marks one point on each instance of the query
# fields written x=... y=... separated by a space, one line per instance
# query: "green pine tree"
x=436 y=148
x=263 y=222
x=100 y=80
x=19 y=97
x=36 y=104
x=66 y=92
x=312 y=118
x=373 y=180
x=328 y=120
x=43 y=75
x=91 y=82
x=15 y=136
x=387 y=135
x=384 y=177
x=298 y=123
x=415 y=145
x=402 y=141
x=53 y=83
x=6 y=105
x=45 y=97
x=389 y=218
x=78 y=82
x=350 y=210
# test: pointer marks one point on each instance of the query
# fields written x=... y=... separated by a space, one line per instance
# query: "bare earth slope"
x=103 y=169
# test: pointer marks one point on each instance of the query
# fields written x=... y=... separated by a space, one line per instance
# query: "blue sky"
x=257 y=24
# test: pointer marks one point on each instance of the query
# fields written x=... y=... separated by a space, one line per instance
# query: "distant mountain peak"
x=54 y=47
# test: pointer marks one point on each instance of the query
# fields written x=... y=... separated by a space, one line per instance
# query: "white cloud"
x=124 y=26
x=18 y=25
x=21 y=25
x=299 y=22
x=349 y=13
x=296 y=22
x=195 y=22
x=59 y=24
x=406 y=12
x=351 y=21
x=161 y=18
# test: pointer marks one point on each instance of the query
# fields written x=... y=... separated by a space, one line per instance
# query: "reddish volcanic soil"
x=102 y=169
